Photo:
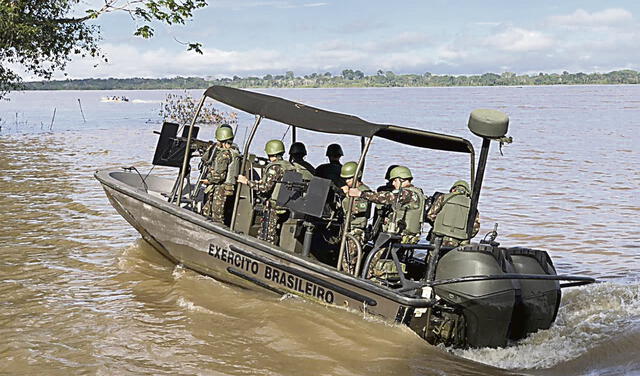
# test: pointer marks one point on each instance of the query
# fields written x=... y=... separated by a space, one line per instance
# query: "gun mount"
x=304 y=197
x=170 y=148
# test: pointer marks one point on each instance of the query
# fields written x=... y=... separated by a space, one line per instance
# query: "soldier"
x=272 y=216
x=454 y=206
x=359 y=214
x=332 y=169
x=405 y=219
x=388 y=186
x=381 y=211
x=297 y=152
x=219 y=179
x=407 y=204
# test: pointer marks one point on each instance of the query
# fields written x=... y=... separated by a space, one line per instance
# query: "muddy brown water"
x=83 y=294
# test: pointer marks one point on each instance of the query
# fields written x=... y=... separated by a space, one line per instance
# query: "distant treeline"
x=348 y=78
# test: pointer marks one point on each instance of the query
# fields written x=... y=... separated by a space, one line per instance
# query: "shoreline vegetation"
x=348 y=78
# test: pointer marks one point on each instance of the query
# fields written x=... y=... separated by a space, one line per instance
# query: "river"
x=83 y=294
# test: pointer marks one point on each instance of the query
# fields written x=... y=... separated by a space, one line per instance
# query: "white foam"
x=289 y=296
x=588 y=317
x=146 y=101
x=178 y=272
x=191 y=306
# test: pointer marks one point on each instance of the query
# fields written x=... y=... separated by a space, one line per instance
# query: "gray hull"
x=188 y=239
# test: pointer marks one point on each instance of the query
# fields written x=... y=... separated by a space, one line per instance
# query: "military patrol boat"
x=474 y=295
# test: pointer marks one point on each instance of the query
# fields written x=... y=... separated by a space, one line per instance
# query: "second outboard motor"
x=487 y=306
x=540 y=299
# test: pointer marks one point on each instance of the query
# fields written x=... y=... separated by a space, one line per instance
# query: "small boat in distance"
x=114 y=98
x=480 y=294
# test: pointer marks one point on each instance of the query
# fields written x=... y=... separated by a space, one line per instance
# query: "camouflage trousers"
x=452 y=242
x=215 y=202
x=386 y=269
x=351 y=250
x=272 y=219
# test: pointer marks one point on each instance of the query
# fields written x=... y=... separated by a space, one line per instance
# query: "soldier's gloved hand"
x=242 y=179
x=355 y=192
x=204 y=181
x=345 y=189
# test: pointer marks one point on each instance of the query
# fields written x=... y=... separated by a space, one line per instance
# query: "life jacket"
x=407 y=218
x=451 y=220
x=234 y=167
x=358 y=220
x=286 y=166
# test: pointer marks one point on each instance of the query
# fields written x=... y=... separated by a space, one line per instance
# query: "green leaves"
x=195 y=47
x=42 y=36
x=144 y=31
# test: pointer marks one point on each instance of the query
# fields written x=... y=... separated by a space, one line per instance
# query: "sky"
x=259 y=37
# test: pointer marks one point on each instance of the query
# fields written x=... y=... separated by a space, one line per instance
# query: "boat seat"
x=292 y=235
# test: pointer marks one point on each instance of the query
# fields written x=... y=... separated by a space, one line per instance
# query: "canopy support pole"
x=185 y=160
x=473 y=165
x=477 y=185
x=243 y=167
x=347 y=219
x=293 y=135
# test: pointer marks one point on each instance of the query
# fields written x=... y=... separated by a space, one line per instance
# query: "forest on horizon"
x=347 y=78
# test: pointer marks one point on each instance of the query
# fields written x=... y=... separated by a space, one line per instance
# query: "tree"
x=347 y=74
x=42 y=36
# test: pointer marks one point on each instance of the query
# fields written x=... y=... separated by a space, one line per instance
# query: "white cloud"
x=128 y=61
x=495 y=49
x=398 y=42
x=607 y=17
x=281 y=4
x=519 y=40
x=313 y=5
x=487 y=23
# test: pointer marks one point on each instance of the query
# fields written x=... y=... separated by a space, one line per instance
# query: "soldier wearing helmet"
x=297 y=152
x=405 y=218
x=407 y=205
x=220 y=178
x=268 y=188
x=454 y=206
x=381 y=211
x=332 y=169
x=359 y=213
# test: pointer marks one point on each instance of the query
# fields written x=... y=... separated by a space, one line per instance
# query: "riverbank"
x=348 y=78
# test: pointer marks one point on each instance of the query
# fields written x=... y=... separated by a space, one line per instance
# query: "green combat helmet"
x=298 y=148
x=224 y=133
x=401 y=172
x=349 y=170
x=274 y=147
x=461 y=184
x=334 y=150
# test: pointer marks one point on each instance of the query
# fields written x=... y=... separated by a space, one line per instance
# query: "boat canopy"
x=315 y=119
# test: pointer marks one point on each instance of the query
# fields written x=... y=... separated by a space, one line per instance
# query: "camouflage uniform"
x=359 y=215
x=398 y=198
x=448 y=241
x=218 y=190
x=273 y=215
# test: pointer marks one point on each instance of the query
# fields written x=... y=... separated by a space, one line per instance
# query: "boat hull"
x=188 y=239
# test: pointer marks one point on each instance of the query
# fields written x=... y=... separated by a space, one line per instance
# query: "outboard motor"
x=540 y=301
x=487 y=306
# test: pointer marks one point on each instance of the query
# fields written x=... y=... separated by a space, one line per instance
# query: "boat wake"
x=590 y=322
x=146 y=101
x=193 y=307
